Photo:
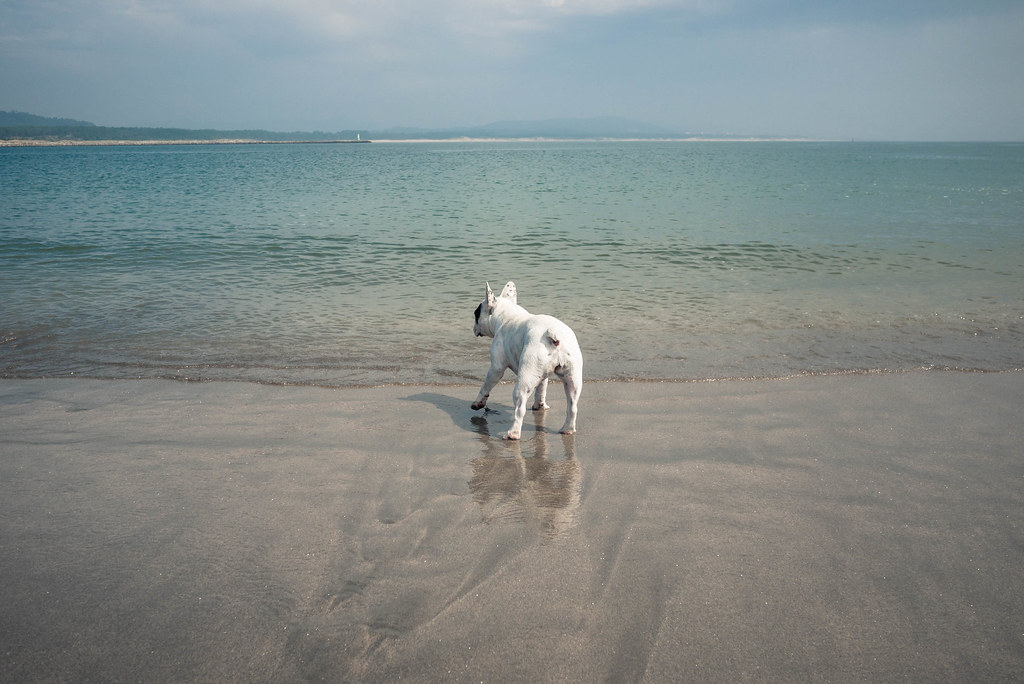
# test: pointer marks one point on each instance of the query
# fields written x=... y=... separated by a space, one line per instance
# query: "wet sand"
x=849 y=528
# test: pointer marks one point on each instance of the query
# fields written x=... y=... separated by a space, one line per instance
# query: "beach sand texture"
x=839 y=528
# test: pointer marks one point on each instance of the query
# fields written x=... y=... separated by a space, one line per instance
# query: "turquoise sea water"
x=362 y=264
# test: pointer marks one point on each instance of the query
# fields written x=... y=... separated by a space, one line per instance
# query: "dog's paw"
x=568 y=431
x=477 y=405
x=511 y=437
x=539 y=407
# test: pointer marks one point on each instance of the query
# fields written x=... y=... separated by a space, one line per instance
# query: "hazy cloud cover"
x=908 y=70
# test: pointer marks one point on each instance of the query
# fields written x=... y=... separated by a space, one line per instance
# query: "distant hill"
x=23 y=119
x=600 y=127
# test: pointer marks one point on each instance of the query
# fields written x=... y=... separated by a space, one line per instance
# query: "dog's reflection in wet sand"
x=518 y=482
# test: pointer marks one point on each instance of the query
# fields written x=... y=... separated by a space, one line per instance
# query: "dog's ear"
x=489 y=298
x=510 y=292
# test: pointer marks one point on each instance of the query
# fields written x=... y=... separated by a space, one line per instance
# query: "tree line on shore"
x=95 y=133
x=24 y=126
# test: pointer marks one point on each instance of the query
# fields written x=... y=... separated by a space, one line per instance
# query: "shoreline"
x=844 y=527
x=456 y=381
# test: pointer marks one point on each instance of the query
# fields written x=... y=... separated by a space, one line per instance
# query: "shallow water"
x=362 y=264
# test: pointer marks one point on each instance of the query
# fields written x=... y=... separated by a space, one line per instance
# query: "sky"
x=832 y=69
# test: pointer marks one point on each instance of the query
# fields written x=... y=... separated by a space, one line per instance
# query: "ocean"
x=355 y=265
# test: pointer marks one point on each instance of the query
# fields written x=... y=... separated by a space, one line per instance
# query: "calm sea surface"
x=362 y=264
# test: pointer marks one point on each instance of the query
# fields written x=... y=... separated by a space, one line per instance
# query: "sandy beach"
x=837 y=528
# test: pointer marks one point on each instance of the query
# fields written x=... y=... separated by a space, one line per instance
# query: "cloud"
x=603 y=7
x=868 y=69
x=384 y=29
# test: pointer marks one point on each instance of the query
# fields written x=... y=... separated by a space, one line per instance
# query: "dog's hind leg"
x=540 y=396
x=573 y=387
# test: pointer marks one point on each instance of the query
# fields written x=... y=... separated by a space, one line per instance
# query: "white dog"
x=534 y=347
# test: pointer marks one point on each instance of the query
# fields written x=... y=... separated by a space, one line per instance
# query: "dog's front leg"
x=528 y=381
x=493 y=376
x=520 y=397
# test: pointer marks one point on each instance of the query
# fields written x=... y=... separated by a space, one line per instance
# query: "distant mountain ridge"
x=23 y=126
x=596 y=127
